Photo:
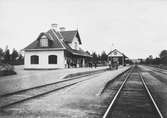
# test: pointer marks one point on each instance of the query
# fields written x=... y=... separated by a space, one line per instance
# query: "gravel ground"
x=31 y=78
x=79 y=101
x=155 y=68
x=158 y=87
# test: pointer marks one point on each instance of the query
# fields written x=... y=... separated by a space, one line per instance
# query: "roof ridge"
x=117 y=51
x=69 y=31
x=60 y=34
x=58 y=38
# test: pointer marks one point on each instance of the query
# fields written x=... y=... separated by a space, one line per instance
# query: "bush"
x=6 y=69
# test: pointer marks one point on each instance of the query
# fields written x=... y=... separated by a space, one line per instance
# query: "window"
x=52 y=59
x=43 y=41
x=34 y=59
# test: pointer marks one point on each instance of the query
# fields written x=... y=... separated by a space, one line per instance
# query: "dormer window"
x=43 y=41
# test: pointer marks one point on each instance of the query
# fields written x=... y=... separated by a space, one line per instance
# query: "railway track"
x=29 y=94
x=133 y=99
x=155 y=69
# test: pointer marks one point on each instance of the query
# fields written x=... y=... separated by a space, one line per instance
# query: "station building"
x=56 y=49
x=117 y=56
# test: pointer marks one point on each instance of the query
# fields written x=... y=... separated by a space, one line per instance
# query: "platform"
x=26 y=79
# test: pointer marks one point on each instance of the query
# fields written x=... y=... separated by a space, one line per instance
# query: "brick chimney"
x=62 y=28
x=54 y=26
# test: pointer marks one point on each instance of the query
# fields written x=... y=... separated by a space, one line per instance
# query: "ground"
x=79 y=101
x=158 y=86
x=25 y=79
x=84 y=100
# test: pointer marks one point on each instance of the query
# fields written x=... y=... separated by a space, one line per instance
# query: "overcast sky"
x=137 y=28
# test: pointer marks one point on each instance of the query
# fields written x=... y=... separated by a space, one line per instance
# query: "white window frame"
x=44 y=42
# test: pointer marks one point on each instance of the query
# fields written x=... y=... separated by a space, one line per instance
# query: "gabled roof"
x=118 y=53
x=58 y=40
x=69 y=36
x=53 y=42
x=55 y=37
x=59 y=35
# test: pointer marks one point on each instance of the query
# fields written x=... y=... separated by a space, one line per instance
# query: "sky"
x=138 y=28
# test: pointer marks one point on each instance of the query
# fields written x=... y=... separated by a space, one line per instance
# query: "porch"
x=76 y=60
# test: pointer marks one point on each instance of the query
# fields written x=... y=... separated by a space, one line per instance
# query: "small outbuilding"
x=116 y=56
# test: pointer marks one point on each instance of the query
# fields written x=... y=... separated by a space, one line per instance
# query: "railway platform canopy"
x=116 y=56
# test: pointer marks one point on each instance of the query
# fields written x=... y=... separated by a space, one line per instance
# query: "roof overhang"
x=44 y=49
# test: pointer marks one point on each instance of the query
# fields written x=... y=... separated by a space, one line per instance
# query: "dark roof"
x=76 y=52
x=55 y=39
x=69 y=35
x=59 y=35
x=53 y=42
x=58 y=40
x=33 y=45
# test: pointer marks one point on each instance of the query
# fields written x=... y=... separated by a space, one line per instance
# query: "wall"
x=72 y=45
x=43 y=60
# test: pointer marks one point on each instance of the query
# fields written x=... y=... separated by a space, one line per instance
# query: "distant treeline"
x=162 y=59
x=13 y=58
x=99 y=58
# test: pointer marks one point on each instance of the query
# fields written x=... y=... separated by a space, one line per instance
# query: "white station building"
x=56 y=49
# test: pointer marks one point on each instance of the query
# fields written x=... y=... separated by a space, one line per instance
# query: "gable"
x=75 y=39
x=78 y=36
x=69 y=36
x=115 y=53
x=75 y=43
x=52 y=40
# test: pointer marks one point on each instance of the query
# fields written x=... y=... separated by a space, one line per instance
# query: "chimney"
x=62 y=28
x=54 y=26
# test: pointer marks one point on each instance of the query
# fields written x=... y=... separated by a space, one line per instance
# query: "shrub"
x=6 y=69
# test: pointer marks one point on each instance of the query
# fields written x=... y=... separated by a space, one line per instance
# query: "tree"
x=156 y=60
x=104 y=56
x=94 y=57
x=163 y=53
x=149 y=59
x=14 y=55
x=1 y=55
x=7 y=56
x=163 y=57
x=99 y=58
